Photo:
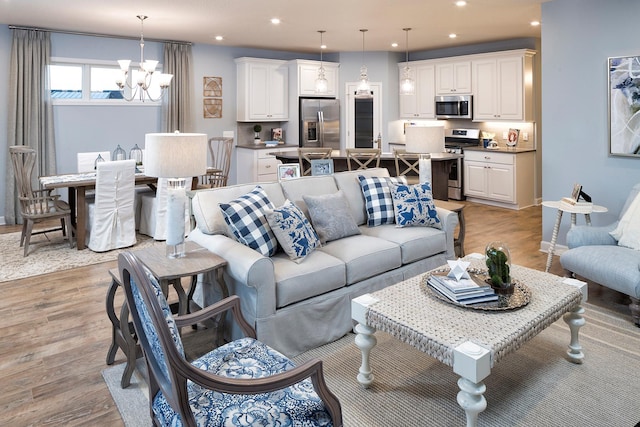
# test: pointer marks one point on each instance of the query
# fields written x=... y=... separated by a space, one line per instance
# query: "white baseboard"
x=559 y=249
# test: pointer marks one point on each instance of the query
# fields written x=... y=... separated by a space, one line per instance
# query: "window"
x=94 y=82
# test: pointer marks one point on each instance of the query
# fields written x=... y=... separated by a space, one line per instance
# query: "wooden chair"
x=407 y=164
x=363 y=158
x=230 y=381
x=220 y=149
x=36 y=205
x=306 y=154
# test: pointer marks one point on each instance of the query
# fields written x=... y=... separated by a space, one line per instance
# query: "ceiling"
x=246 y=23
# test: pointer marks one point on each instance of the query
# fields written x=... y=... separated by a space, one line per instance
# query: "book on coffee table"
x=469 y=295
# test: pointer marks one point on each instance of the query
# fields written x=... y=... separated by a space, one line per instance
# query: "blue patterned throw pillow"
x=377 y=198
x=248 y=223
x=293 y=231
x=413 y=205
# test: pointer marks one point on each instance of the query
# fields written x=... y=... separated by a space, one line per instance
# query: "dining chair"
x=36 y=206
x=306 y=154
x=220 y=149
x=363 y=158
x=407 y=164
x=86 y=162
x=239 y=383
x=153 y=212
x=111 y=215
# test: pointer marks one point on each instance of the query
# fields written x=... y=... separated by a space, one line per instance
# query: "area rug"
x=535 y=386
x=51 y=252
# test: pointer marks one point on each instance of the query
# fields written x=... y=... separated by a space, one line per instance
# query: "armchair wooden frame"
x=36 y=205
x=306 y=154
x=174 y=386
x=363 y=158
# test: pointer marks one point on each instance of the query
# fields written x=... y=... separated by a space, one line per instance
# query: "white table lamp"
x=425 y=140
x=176 y=156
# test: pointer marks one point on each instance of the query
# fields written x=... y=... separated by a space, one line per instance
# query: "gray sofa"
x=298 y=306
x=595 y=255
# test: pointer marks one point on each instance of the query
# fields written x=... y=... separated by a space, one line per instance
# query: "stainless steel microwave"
x=454 y=107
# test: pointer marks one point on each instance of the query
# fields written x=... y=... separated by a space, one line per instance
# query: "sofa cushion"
x=318 y=274
x=377 y=197
x=415 y=243
x=364 y=256
x=246 y=219
x=295 y=189
x=350 y=184
x=293 y=230
x=331 y=216
x=413 y=205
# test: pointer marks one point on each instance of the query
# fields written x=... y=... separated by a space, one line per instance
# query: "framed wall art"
x=212 y=108
x=624 y=106
x=212 y=86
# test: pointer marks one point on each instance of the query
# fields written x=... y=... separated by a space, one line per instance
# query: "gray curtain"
x=30 y=114
x=176 y=109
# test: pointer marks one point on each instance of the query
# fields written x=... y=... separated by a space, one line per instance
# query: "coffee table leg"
x=471 y=399
x=575 y=321
x=365 y=340
x=473 y=363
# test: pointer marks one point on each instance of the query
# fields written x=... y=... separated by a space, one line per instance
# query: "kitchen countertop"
x=342 y=154
x=501 y=149
x=264 y=146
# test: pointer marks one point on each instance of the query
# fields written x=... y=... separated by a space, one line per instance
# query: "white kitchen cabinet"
x=453 y=78
x=262 y=90
x=503 y=87
x=499 y=178
x=256 y=165
x=305 y=73
x=421 y=103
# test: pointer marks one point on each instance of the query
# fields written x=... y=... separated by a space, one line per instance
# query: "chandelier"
x=144 y=75
x=407 y=85
x=364 y=89
x=321 y=81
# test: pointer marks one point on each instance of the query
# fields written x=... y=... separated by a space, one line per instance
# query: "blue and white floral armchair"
x=241 y=383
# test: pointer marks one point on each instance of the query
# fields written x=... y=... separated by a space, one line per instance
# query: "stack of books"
x=463 y=291
x=573 y=205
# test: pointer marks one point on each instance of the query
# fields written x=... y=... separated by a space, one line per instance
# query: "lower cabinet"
x=502 y=179
x=256 y=165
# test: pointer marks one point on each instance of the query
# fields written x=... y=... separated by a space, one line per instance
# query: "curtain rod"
x=80 y=33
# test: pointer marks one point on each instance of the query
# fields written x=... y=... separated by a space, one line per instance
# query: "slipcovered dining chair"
x=111 y=215
x=86 y=162
x=306 y=154
x=36 y=205
x=363 y=158
x=407 y=164
x=239 y=383
x=153 y=212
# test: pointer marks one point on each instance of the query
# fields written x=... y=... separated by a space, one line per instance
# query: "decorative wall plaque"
x=212 y=108
x=212 y=86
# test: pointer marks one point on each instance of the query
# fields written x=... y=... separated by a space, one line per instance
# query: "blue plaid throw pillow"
x=413 y=205
x=246 y=219
x=378 y=200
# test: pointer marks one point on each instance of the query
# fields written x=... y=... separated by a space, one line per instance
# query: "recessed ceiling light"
x=461 y=3
x=275 y=21
x=453 y=35
x=394 y=44
x=535 y=23
x=219 y=38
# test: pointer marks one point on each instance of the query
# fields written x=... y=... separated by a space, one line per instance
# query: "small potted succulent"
x=499 y=267
x=256 y=133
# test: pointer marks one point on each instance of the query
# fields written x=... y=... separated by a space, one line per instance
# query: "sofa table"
x=573 y=210
x=168 y=272
x=470 y=341
x=458 y=241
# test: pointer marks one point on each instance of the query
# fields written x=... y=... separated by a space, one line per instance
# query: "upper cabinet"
x=453 y=77
x=305 y=74
x=421 y=103
x=262 y=90
x=503 y=86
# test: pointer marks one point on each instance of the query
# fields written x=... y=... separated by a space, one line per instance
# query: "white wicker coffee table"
x=470 y=341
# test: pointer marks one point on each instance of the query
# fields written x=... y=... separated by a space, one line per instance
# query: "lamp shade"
x=425 y=139
x=175 y=155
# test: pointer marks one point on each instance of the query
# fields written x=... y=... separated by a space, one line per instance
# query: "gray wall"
x=577 y=38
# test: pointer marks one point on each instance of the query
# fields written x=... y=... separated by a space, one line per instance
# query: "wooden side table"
x=564 y=207
x=168 y=272
x=458 y=241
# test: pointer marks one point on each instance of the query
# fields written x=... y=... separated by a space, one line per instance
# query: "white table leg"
x=365 y=340
x=554 y=237
x=575 y=321
x=473 y=363
x=471 y=399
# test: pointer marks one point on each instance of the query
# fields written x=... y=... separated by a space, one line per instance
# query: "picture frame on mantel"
x=624 y=106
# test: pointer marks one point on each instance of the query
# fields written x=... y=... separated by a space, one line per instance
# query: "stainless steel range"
x=455 y=141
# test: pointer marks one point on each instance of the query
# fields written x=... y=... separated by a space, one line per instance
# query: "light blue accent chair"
x=595 y=255
x=240 y=383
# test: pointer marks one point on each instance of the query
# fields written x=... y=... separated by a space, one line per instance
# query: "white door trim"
x=351 y=87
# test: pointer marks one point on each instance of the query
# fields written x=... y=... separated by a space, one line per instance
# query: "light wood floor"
x=55 y=332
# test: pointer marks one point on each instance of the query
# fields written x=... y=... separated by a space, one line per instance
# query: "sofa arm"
x=586 y=235
x=449 y=221
x=251 y=273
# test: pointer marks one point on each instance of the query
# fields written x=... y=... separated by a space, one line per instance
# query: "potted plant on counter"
x=256 y=134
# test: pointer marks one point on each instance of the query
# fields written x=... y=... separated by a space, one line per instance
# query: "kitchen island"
x=440 y=167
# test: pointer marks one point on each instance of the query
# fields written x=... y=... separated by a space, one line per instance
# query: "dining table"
x=78 y=184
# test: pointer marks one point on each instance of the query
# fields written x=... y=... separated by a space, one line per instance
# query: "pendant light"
x=321 y=82
x=407 y=85
x=364 y=89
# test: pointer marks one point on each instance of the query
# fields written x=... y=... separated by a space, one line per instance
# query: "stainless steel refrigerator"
x=320 y=122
